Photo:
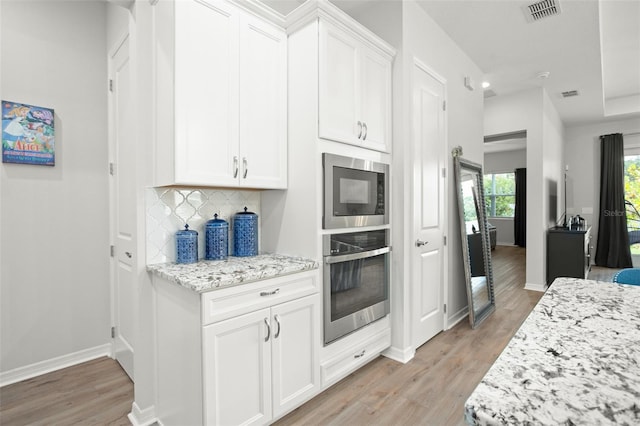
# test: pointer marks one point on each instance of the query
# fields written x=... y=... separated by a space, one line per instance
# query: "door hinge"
x=444 y=105
x=445 y=240
x=112 y=250
x=110 y=85
x=445 y=308
x=112 y=168
x=113 y=332
x=444 y=172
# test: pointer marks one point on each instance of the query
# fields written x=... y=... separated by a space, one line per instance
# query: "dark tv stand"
x=568 y=252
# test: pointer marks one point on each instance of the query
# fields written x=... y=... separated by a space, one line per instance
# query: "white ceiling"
x=591 y=46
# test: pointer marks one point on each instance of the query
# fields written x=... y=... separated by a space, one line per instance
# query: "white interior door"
x=123 y=204
x=429 y=144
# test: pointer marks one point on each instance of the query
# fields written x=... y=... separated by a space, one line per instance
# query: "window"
x=632 y=197
x=500 y=194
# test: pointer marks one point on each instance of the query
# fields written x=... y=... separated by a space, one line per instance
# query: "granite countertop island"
x=207 y=275
x=575 y=360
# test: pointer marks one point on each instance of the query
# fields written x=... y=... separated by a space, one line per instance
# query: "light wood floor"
x=97 y=392
x=429 y=390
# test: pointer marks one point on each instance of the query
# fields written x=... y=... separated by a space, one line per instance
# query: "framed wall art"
x=28 y=135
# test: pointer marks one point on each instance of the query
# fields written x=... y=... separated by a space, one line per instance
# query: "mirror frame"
x=476 y=316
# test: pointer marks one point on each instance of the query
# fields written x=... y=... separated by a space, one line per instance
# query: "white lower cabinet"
x=262 y=364
x=247 y=354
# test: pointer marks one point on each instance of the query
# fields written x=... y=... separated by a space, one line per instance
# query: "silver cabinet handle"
x=360 y=355
x=269 y=293
x=245 y=167
x=275 y=336
x=364 y=137
x=128 y=254
x=235 y=167
x=266 y=322
x=359 y=129
x=420 y=243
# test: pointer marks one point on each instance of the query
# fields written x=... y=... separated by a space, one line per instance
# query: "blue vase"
x=186 y=245
x=245 y=234
x=216 y=239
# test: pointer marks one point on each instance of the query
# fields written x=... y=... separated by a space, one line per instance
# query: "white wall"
x=504 y=162
x=582 y=153
x=54 y=220
x=532 y=111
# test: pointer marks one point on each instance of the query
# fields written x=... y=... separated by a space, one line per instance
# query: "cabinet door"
x=295 y=351
x=206 y=93
x=237 y=370
x=376 y=101
x=339 y=95
x=263 y=104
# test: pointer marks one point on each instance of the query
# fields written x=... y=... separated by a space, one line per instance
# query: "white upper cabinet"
x=221 y=96
x=354 y=90
x=263 y=104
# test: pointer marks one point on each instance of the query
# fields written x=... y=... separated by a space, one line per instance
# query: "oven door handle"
x=356 y=256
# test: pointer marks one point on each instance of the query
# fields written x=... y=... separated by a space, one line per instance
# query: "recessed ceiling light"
x=485 y=84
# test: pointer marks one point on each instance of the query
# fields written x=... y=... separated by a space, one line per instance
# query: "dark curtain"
x=613 y=238
x=520 y=216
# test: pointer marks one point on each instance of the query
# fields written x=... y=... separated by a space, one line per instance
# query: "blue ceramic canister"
x=245 y=234
x=216 y=239
x=186 y=245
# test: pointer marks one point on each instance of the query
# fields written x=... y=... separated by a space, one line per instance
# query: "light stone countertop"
x=207 y=275
x=575 y=360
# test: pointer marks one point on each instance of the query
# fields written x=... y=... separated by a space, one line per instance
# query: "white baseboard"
x=400 y=355
x=145 y=417
x=535 y=287
x=457 y=317
x=28 y=371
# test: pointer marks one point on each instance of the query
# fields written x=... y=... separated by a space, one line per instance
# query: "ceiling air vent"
x=542 y=9
x=488 y=93
x=570 y=93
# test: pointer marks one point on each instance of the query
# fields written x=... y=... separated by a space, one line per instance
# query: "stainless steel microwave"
x=356 y=192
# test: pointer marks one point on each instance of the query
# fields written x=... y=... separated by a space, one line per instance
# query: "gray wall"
x=54 y=264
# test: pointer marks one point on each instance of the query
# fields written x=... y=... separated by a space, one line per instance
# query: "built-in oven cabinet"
x=220 y=81
x=354 y=89
x=247 y=354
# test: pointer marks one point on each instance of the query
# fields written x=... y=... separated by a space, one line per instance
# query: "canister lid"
x=217 y=223
x=186 y=232
x=245 y=212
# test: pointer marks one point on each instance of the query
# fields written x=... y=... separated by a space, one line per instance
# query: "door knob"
x=420 y=243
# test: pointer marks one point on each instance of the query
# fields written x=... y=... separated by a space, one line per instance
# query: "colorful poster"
x=27 y=134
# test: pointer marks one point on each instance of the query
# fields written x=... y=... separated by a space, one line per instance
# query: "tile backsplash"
x=168 y=209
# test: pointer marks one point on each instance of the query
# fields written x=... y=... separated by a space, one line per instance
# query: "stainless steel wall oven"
x=356 y=192
x=356 y=281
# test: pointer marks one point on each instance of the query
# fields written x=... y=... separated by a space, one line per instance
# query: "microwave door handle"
x=356 y=256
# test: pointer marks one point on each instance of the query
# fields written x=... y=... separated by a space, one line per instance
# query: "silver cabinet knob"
x=245 y=166
x=235 y=167
x=359 y=129
x=420 y=243
x=364 y=125
x=128 y=254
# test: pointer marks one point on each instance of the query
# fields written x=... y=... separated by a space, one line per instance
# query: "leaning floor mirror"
x=476 y=246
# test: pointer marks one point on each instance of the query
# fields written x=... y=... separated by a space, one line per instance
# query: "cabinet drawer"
x=344 y=363
x=222 y=304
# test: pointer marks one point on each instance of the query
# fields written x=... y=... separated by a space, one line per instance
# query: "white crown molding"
x=258 y=8
x=323 y=9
